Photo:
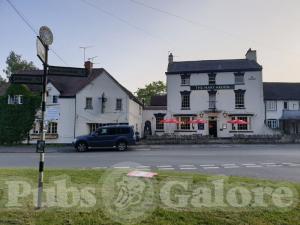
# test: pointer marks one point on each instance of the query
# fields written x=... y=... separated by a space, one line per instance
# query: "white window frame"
x=239 y=78
x=239 y=100
x=88 y=105
x=271 y=105
x=52 y=128
x=119 y=104
x=15 y=100
x=54 y=99
x=185 y=79
x=185 y=101
x=273 y=123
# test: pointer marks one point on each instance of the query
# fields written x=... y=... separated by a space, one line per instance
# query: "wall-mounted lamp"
x=225 y=114
x=201 y=114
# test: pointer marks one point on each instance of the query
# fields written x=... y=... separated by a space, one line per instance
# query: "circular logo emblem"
x=46 y=35
x=127 y=199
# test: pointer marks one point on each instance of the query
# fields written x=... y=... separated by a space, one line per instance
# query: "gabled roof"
x=281 y=91
x=70 y=86
x=207 y=66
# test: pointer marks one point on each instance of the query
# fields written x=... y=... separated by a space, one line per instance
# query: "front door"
x=212 y=125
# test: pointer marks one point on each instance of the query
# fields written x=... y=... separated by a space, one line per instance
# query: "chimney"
x=171 y=58
x=251 y=55
x=88 y=65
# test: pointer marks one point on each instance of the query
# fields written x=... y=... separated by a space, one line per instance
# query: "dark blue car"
x=117 y=136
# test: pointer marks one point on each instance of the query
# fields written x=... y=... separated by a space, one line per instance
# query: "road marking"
x=268 y=163
x=230 y=164
x=170 y=168
x=249 y=164
x=142 y=166
x=231 y=167
x=295 y=164
x=208 y=165
x=188 y=168
x=274 y=165
x=211 y=167
x=121 y=167
x=253 y=166
x=164 y=166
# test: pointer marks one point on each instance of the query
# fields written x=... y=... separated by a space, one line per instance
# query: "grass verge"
x=162 y=213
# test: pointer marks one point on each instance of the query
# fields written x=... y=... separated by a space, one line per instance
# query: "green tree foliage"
x=15 y=63
x=154 y=88
x=16 y=120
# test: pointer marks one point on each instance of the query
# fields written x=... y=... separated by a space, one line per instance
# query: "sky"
x=132 y=38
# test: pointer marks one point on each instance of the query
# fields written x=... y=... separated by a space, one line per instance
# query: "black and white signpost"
x=43 y=41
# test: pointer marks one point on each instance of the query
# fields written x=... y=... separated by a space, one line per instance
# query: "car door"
x=99 y=138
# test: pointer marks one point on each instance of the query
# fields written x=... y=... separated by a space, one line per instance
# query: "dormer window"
x=185 y=79
x=15 y=100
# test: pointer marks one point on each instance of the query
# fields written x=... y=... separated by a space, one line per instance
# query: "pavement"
x=278 y=162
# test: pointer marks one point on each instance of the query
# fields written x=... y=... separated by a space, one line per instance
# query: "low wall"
x=237 y=139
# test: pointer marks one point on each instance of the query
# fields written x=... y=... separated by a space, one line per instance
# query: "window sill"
x=239 y=83
x=187 y=131
x=240 y=107
x=241 y=131
x=88 y=108
x=159 y=131
x=185 y=108
x=185 y=85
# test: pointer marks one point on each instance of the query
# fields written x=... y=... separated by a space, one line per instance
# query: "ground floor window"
x=159 y=125
x=272 y=123
x=184 y=125
x=242 y=127
x=52 y=128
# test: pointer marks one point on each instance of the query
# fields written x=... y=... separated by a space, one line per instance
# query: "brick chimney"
x=251 y=55
x=171 y=58
x=88 y=65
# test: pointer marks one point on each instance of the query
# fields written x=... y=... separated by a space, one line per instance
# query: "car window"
x=103 y=131
x=124 y=130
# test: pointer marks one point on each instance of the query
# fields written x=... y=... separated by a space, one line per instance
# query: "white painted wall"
x=135 y=115
x=148 y=115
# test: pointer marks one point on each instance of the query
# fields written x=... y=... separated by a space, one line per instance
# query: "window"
x=15 y=100
x=185 y=79
x=211 y=78
x=239 y=99
x=89 y=103
x=119 y=104
x=272 y=123
x=241 y=127
x=200 y=126
x=159 y=125
x=212 y=99
x=52 y=128
x=285 y=105
x=54 y=99
x=271 y=105
x=239 y=78
x=94 y=126
x=123 y=130
x=185 y=100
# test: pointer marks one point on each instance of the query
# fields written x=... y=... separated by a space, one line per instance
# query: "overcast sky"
x=132 y=41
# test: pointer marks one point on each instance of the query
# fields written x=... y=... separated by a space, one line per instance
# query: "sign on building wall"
x=52 y=114
x=212 y=87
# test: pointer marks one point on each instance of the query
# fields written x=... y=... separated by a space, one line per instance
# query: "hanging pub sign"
x=212 y=87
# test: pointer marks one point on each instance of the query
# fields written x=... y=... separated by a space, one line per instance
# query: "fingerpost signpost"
x=43 y=41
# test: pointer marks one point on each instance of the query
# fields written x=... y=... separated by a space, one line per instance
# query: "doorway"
x=212 y=126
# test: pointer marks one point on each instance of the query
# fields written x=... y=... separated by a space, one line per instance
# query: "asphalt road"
x=279 y=162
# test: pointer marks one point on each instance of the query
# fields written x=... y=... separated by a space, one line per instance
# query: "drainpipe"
x=75 y=118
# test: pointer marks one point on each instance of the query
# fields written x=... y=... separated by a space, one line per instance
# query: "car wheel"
x=81 y=147
x=122 y=146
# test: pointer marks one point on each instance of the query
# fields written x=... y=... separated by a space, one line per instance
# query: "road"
x=279 y=162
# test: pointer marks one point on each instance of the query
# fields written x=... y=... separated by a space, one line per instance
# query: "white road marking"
x=170 y=168
x=274 y=165
x=208 y=165
x=268 y=163
x=211 y=167
x=231 y=167
x=121 y=167
x=142 y=166
x=164 y=166
x=249 y=164
x=230 y=164
x=253 y=166
x=188 y=168
x=295 y=164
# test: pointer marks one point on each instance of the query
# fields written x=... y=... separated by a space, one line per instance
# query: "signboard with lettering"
x=26 y=79
x=212 y=87
x=41 y=50
x=67 y=71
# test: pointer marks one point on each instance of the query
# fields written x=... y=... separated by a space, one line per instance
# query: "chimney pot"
x=88 y=65
x=251 y=55
x=171 y=58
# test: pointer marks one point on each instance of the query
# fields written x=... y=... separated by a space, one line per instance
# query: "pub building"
x=215 y=91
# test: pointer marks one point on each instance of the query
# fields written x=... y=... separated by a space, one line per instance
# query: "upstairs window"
x=271 y=105
x=285 y=105
x=89 y=103
x=185 y=100
x=119 y=104
x=54 y=99
x=239 y=78
x=212 y=99
x=212 y=79
x=185 y=79
x=239 y=99
x=15 y=100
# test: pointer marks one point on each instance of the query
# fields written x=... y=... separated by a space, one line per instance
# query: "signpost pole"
x=43 y=136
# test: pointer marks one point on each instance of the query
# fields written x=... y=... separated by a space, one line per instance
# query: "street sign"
x=40 y=146
x=41 y=50
x=26 y=79
x=67 y=71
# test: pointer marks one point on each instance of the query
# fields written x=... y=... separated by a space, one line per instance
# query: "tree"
x=15 y=63
x=154 y=88
x=16 y=120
